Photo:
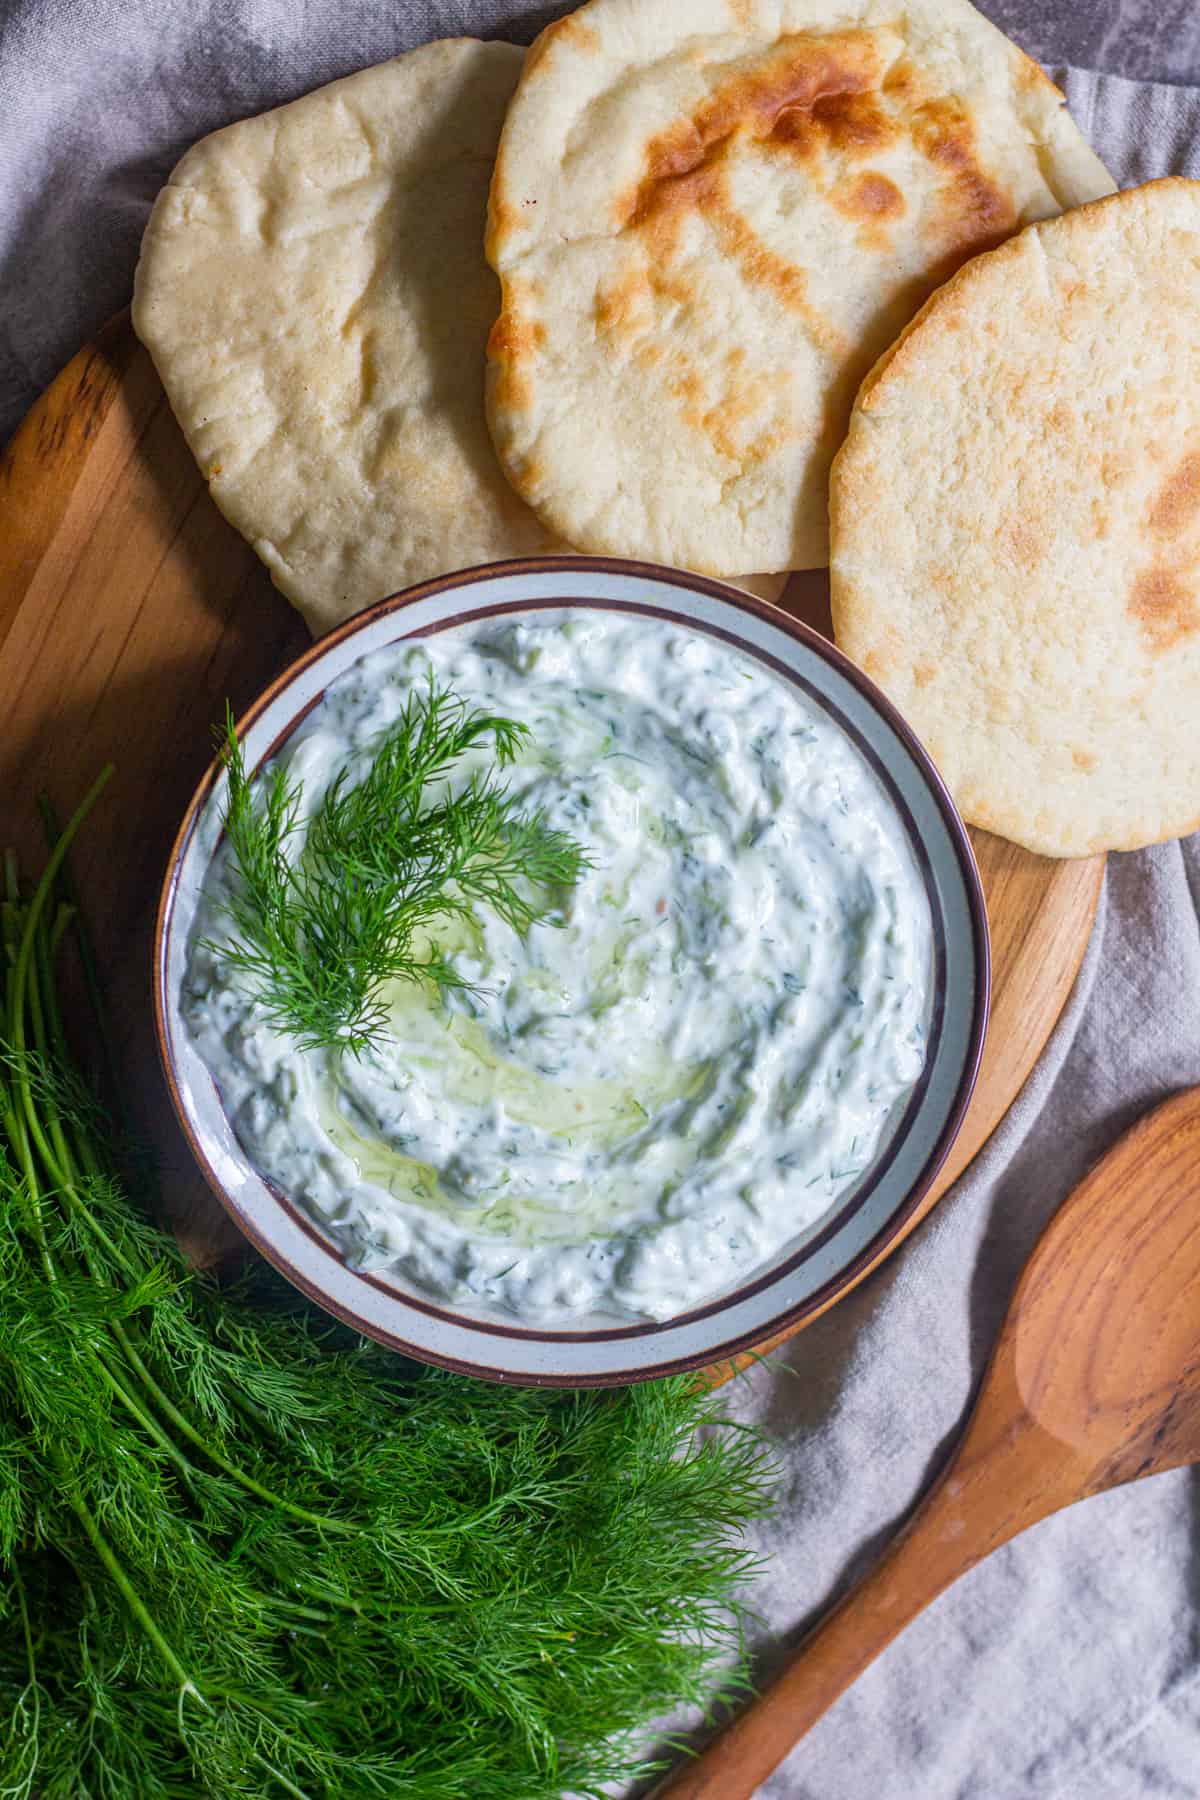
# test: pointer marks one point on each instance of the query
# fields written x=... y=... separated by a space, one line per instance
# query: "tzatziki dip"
x=688 y=1067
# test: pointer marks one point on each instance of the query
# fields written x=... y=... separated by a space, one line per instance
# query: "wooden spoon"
x=1095 y=1381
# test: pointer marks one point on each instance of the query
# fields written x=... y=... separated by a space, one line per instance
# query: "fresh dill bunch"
x=244 y=1552
x=326 y=912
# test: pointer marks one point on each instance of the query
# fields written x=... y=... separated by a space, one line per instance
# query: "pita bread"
x=709 y=217
x=1016 y=527
x=313 y=291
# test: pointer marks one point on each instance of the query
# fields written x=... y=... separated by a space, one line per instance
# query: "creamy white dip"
x=690 y=1071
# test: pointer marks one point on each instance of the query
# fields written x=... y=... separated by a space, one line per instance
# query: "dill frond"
x=323 y=916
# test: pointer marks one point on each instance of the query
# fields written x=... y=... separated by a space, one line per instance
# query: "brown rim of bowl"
x=791 y=1318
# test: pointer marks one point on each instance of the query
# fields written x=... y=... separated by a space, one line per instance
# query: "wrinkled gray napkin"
x=1067 y=1665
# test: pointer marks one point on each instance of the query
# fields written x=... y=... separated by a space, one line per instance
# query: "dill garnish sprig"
x=244 y=1553
x=326 y=912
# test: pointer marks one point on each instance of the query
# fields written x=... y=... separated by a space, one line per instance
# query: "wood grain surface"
x=130 y=611
x=1094 y=1382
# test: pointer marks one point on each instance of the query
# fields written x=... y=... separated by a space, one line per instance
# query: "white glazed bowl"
x=806 y=1274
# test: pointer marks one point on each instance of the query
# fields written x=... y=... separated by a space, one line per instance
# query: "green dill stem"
x=45 y=950
x=83 y=940
x=25 y=1788
x=14 y=1112
x=51 y=1140
x=288 y=1786
x=20 y=984
x=18 y=1136
x=68 y=1190
x=46 y=1023
x=145 y=1618
x=126 y=1589
x=56 y=1155
x=80 y=1150
x=181 y=1423
x=34 y=950
x=59 y=1167
x=69 y=889
x=26 y=990
x=59 y=1164
x=146 y=1420
x=48 y=1138
x=22 y=990
x=41 y=895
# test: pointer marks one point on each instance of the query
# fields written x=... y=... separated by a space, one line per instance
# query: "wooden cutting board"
x=130 y=611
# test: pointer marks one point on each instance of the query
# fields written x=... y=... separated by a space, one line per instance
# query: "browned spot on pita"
x=717 y=402
x=1178 y=500
x=1031 y=78
x=1026 y=546
x=719 y=410
x=851 y=123
x=672 y=287
x=701 y=191
x=688 y=387
x=923 y=673
x=797 y=73
x=502 y=216
x=802 y=72
x=663 y=211
x=512 y=343
x=1164 y=607
x=943 y=577
x=819 y=98
x=1084 y=760
x=870 y=197
x=570 y=30
x=760 y=265
x=1116 y=466
x=621 y=304
x=977 y=213
x=902 y=81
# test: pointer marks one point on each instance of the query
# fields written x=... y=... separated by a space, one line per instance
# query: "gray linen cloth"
x=1067 y=1665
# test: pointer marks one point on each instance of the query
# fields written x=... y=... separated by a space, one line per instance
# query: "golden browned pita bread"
x=1016 y=527
x=709 y=217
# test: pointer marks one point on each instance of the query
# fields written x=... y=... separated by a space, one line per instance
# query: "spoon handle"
x=1094 y=1381
x=983 y=1497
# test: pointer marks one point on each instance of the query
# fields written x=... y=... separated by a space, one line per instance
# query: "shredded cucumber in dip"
x=627 y=1113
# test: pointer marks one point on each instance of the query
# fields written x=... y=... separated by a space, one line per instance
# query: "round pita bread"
x=313 y=290
x=709 y=218
x=313 y=293
x=1016 y=527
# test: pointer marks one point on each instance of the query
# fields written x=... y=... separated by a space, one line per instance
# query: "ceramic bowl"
x=808 y=1273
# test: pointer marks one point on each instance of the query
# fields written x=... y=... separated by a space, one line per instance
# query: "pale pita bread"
x=313 y=293
x=1016 y=527
x=709 y=217
x=313 y=290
